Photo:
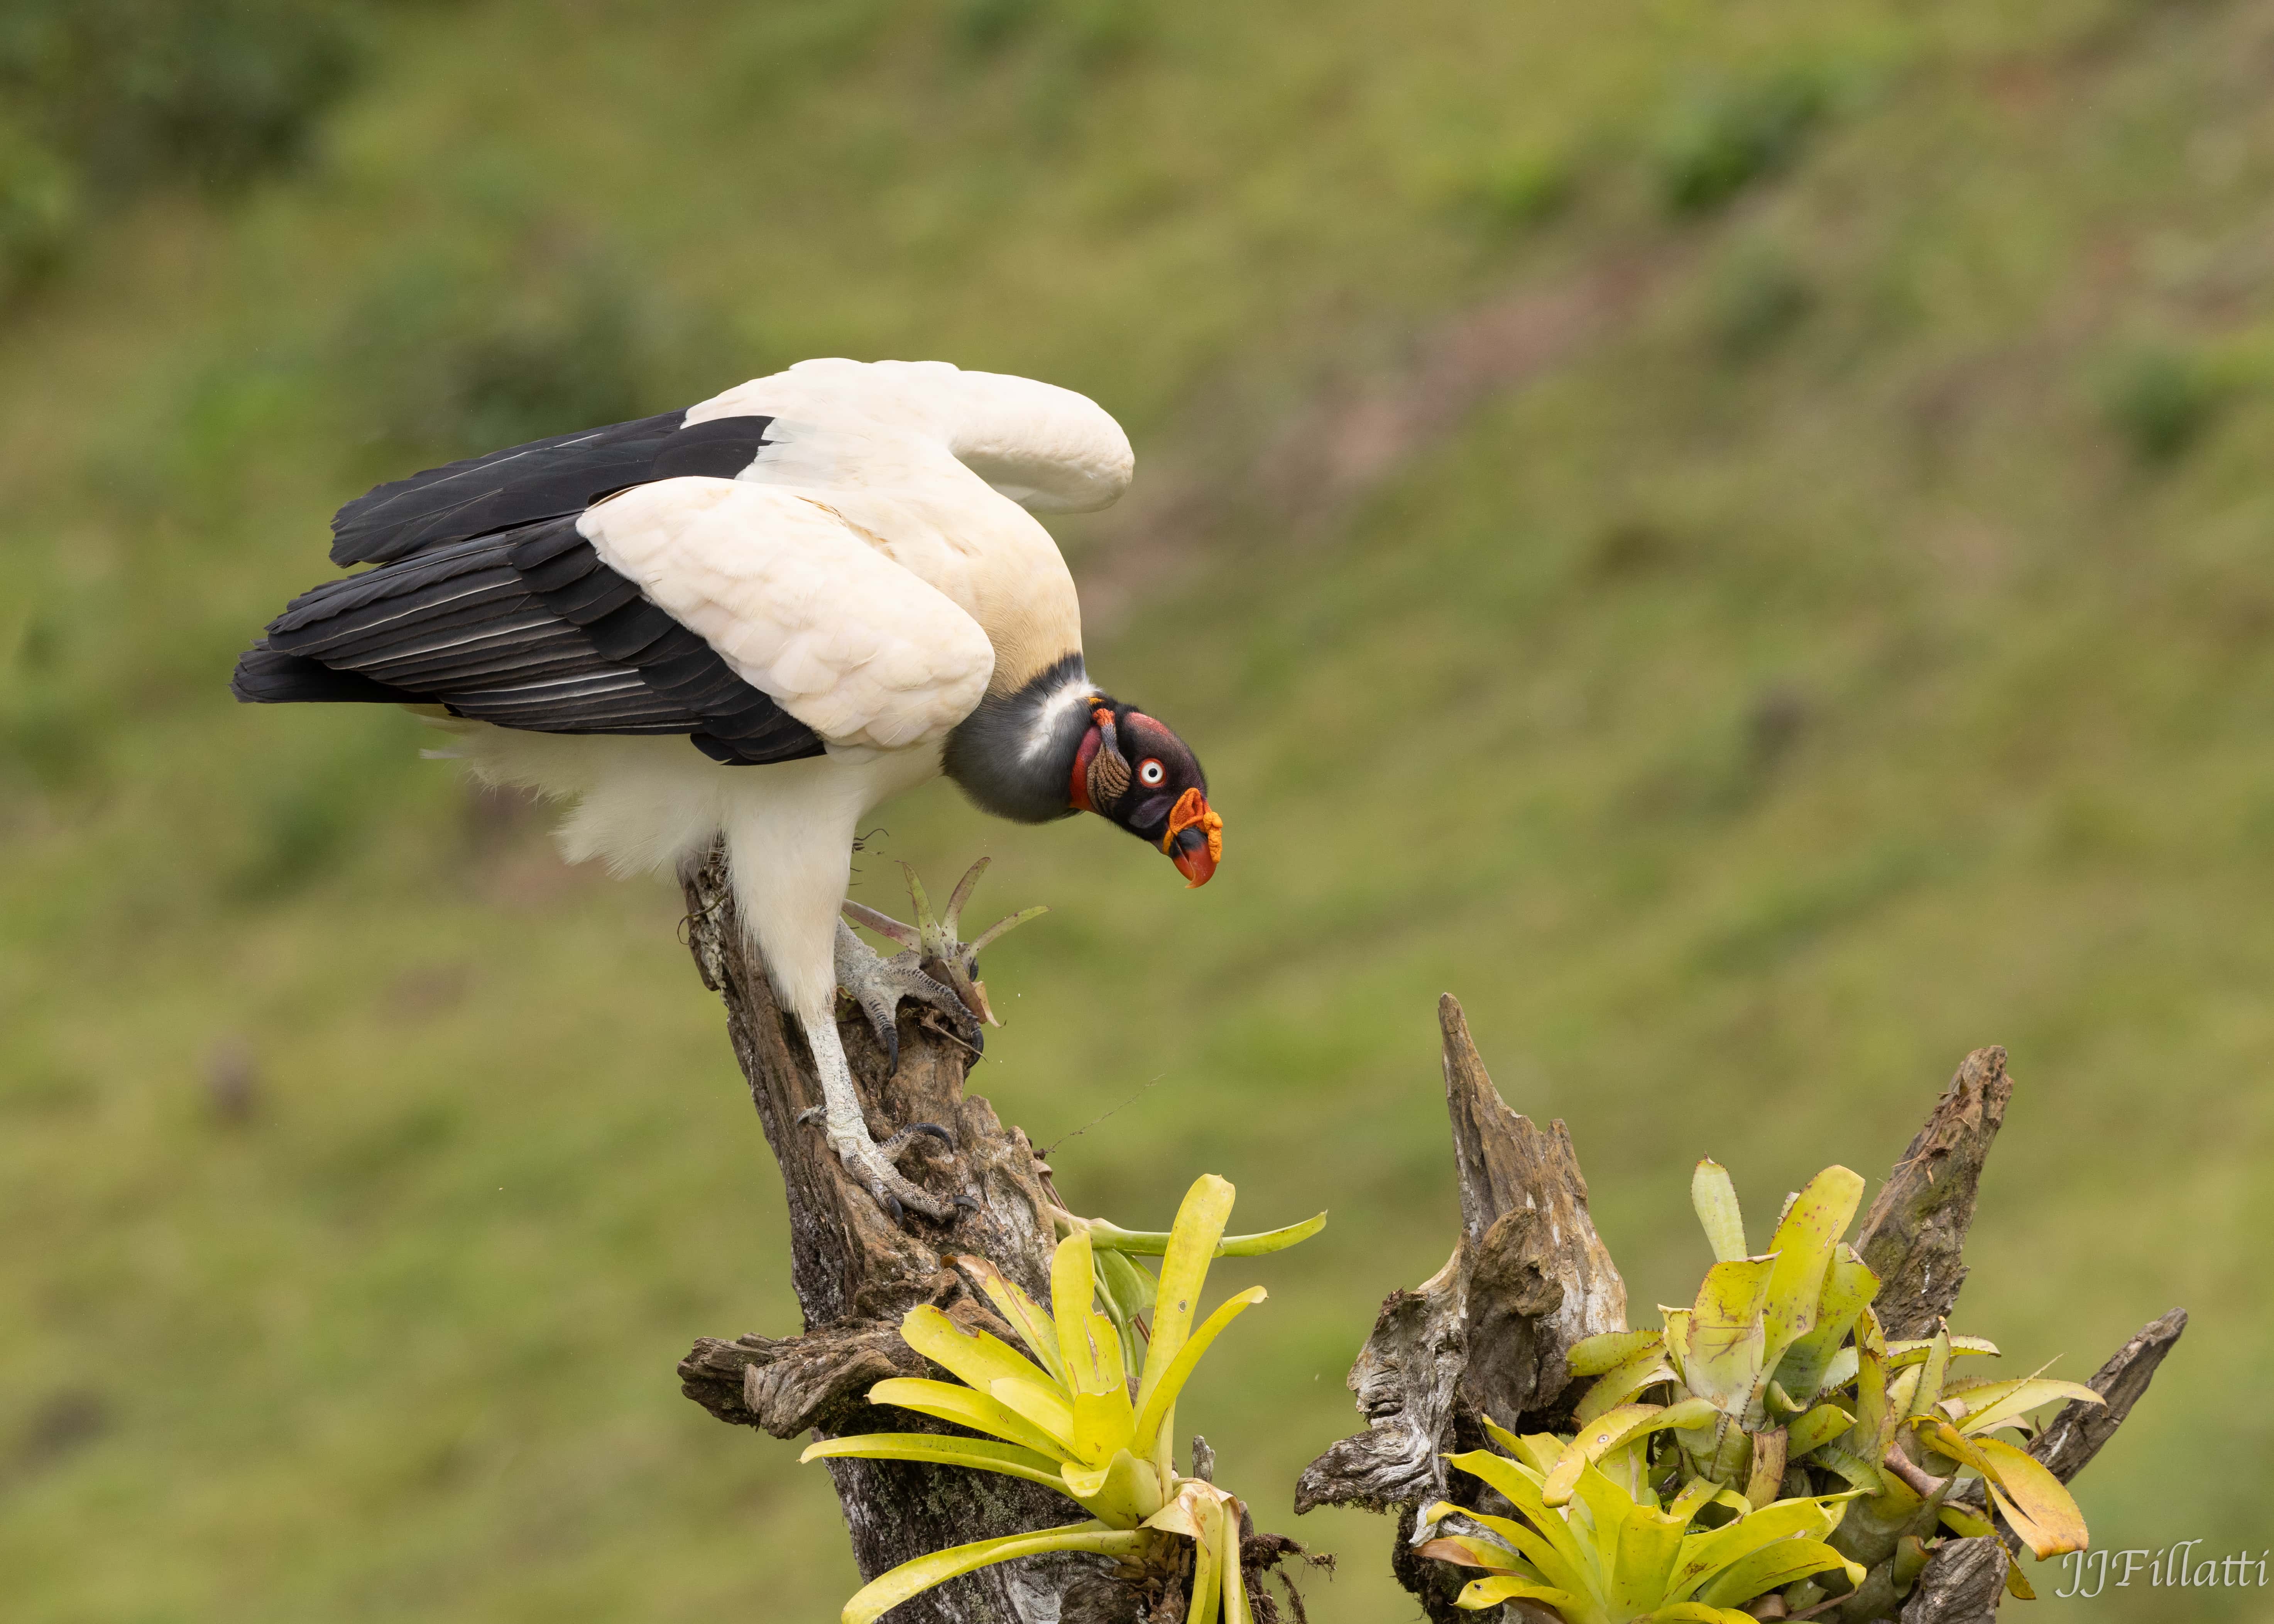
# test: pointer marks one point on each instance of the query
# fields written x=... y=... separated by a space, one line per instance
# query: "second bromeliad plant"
x=1767 y=1438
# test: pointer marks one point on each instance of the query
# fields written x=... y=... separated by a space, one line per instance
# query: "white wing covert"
x=801 y=606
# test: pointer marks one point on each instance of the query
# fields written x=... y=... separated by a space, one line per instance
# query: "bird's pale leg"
x=879 y=985
x=847 y=1132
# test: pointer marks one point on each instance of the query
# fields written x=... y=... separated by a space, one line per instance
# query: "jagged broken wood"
x=1490 y=1332
x=1914 y=1237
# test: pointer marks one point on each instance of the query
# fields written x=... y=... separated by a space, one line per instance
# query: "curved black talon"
x=893 y=1208
x=966 y=1201
x=891 y=1032
x=934 y=1129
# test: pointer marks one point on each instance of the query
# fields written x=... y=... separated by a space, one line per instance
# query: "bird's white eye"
x=1151 y=774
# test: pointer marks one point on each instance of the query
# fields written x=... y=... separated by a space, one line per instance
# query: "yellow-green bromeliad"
x=1089 y=1409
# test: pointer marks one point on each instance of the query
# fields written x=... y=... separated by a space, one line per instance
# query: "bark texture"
x=856 y=1272
x=1488 y=1333
x=1962 y=1583
x=2077 y=1432
x=1914 y=1237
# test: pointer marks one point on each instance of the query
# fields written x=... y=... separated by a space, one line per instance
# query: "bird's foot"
x=879 y=985
x=934 y=966
x=877 y=1166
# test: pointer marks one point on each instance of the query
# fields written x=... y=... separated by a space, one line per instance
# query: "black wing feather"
x=544 y=479
x=525 y=628
x=628 y=634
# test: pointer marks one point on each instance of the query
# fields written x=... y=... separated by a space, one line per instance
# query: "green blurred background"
x=1734 y=537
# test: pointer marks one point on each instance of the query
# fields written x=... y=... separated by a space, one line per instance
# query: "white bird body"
x=870 y=601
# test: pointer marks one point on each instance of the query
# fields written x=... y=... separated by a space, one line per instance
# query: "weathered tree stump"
x=1490 y=1332
x=856 y=1272
x=1486 y=1335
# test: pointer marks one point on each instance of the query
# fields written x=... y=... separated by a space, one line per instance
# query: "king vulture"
x=753 y=622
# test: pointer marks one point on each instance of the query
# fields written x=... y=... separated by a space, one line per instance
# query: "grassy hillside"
x=1736 y=539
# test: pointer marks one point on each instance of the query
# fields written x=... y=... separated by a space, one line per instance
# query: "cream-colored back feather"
x=1047 y=448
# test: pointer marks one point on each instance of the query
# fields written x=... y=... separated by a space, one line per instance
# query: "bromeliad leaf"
x=1073 y=1282
x=1705 y=1554
x=1153 y=1244
x=1902 y=1355
x=1164 y=1396
x=1622 y=1383
x=1481 y=1593
x=1714 y=1200
x=1621 y=1428
x=1803 y=1247
x=1875 y=1407
x=1726 y=1337
x=944 y=1401
x=1926 y=1392
x=973 y=1356
x=1820 y=1426
x=1536 y=1452
x=1771 y=1568
x=1021 y=1312
x=1043 y=1406
x=1474 y=1551
x=1127 y=1287
x=2034 y=1502
x=1965 y=1524
x=1598 y=1355
x=2004 y=1403
x=1121 y=1493
x=1806 y=1369
x=888 y=1590
x=979 y=1454
x=1184 y=1270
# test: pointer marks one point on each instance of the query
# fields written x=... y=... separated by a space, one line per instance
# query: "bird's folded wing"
x=526 y=628
x=800 y=605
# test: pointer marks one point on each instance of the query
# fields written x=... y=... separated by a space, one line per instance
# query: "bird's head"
x=1132 y=770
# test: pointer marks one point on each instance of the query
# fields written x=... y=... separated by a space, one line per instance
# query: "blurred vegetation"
x=1837 y=637
x=99 y=99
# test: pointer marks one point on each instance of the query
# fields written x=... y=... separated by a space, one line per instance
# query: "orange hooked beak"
x=1195 y=842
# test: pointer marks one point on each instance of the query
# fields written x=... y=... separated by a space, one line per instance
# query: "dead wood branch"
x=1914 y=1237
x=2079 y=1431
x=856 y=1272
x=1489 y=1332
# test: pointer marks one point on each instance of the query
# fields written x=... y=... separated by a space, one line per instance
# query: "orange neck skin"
x=1078 y=782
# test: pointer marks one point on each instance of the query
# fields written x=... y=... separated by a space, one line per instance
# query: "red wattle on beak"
x=1195 y=842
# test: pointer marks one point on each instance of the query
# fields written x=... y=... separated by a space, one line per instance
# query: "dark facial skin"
x=1134 y=772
